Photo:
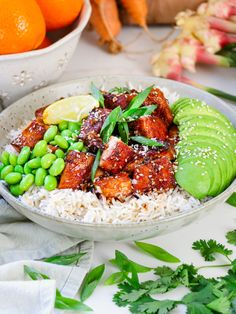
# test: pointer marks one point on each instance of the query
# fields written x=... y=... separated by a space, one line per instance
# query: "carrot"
x=138 y=10
x=106 y=22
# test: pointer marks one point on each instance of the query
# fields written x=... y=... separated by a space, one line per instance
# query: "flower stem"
x=208 y=89
x=214 y=266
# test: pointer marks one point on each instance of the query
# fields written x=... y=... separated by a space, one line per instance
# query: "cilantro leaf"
x=134 y=295
x=197 y=308
x=209 y=248
x=156 y=306
x=231 y=237
x=232 y=200
x=204 y=296
x=124 y=288
x=220 y=305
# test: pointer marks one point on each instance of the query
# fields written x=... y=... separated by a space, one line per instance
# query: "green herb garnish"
x=138 y=100
x=95 y=165
x=209 y=248
x=61 y=302
x=123 y=129
x=119 y=90
x=232 y=200
x=231 y=237
x=146 y=141
x=64 y=259
x=96 y=93
x=157 y=252
x=110 y=124
x=91 y=281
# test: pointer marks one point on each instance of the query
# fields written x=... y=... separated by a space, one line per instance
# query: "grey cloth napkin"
x=22 y=242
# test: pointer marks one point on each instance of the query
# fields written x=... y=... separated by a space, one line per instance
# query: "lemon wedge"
x=72 y=109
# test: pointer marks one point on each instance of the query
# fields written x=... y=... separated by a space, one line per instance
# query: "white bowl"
x=14 y=116
x=23 y=73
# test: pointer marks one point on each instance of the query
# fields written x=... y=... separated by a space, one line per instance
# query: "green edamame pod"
x=24 y=155
x=78 y=146
x=13 y=159
x=50 y=183
x=6 y=170
x=27 y=169
x=13 y=178
x=40 y=149
x=74 y=126
x=50 y=133
x=61 y=142
x=57 y=167
x=19 y=168
x=5 y=158
x=34 y=163
x=16 y=190
x=47 y=160
x=59 y=153
x=40 y=176
x=63 y=125
x=67 y=134
x=26 y=182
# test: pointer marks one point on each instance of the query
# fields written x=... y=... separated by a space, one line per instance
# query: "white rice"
x=86 y=207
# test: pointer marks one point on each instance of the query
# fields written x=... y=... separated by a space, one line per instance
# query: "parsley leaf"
x=232 y=200
x=156 y=306
x=209 y=248
x=231 y=237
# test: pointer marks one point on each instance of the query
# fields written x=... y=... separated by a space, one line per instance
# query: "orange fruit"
x=60 y=13
x=22 y=26
x=45 y=43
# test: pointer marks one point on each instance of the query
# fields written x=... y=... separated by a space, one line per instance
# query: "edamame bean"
x=53 y=143
x=26 y=182
x=57 y=167
x=50 y=133
x=27 y=169
x=74 y=126
x=16 y=190
x=13 y=159
x=19 y=168
x=13 y=178
x=47 y=160
x=78 y=146
x=6 y=170
x=1 y=167
x=40 y=176
x=40 y=149
x=50 y=183
x=59 y=153
x=5 y=158
x=63 y=125
x=24 y=155
x=34 y=163
x=61 y=142
x=66 y=134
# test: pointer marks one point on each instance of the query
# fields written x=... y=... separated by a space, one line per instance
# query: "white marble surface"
x=90 y=59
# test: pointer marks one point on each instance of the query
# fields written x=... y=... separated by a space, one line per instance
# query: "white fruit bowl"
x=22 y=73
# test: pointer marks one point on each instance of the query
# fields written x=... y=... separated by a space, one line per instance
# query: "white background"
x=90 y=59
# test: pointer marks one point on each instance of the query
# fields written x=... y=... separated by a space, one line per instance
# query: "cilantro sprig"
x=209 y=248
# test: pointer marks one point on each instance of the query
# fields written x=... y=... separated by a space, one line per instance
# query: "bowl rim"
x=8 y=196
x=82 y=21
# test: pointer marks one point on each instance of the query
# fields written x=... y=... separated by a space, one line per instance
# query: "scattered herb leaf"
x=209 y=248
x=134 y=114
x=232 y=200
x=64 y=259
x=96 y=93
x=124 y=131
x=91 y=281
x=115 y=278
x=231 y=237
x=34 y=274
x=157 y=252
x=156 y=306
x=146 y=141
x=95 y=165
x=110 y=124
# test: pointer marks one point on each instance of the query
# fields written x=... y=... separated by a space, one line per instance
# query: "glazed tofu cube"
x=114 y=100
x=151 y=127
x=116 y=155
x=30 y=135
x=155 y=175
x=91 y=127
x=39 y=113
x=77 y=172
x=118 y=186
x=163 y=111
